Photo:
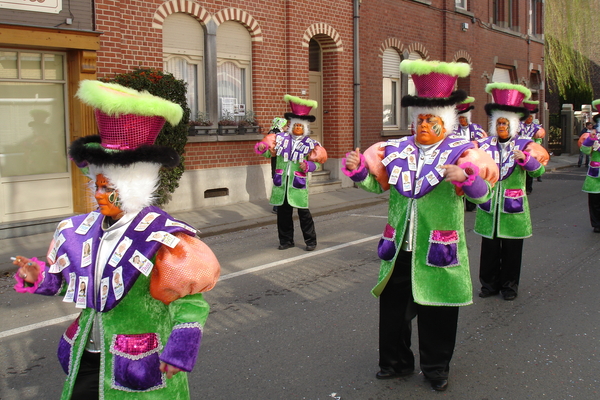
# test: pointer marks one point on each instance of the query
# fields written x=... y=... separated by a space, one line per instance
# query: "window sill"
x=506 y=30
x=395 y=132
x=464 y=12
x=225 y=138
x=426 y=2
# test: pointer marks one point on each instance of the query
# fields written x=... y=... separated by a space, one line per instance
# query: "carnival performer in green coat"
x=425 y=265
x=590 y=145
x=504 y=221
x=136 y=273
x=297 y=155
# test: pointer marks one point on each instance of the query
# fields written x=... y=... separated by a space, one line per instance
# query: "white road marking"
x=43 y=324
x=287 y=260
x=60 y=320
x=368 y=216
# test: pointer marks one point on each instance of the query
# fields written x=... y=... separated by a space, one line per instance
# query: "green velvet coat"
x=440 y=209
x=138 y=301
x=591 y=183
x=508 y=225
x=291 y=181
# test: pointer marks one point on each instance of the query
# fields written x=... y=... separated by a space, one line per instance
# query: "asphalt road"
x=298 y=325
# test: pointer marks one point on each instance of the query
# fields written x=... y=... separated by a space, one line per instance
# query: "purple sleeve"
x=530 y=163
x=48 y=284
x=182 y=347
x=588 y=141
x=360 y=173
x=477 y=189
x=311 y=166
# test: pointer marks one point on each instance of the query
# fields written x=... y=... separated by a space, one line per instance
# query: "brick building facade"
x=253 y=53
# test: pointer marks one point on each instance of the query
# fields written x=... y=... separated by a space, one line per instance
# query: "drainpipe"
x=356 y=63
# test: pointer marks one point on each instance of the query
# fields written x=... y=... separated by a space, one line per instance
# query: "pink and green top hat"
x=508 y=97
x=596 y=105
x=128 y=123
x=301 y=108
x=466 y=105
x=531 y=105
x=434 y=82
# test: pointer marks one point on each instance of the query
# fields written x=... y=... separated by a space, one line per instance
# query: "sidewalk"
x=222 y=219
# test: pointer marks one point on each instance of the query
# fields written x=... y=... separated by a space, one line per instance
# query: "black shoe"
x=509 y=295
x=310 y=247
x=528 y=191
x=486 y=293
x=597 y=229
x=390 y=373
x=439 y=385
x=286 y=246
x=539 y=178
x=274 y=210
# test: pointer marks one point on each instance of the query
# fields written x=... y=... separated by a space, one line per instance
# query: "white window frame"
x=199 y=95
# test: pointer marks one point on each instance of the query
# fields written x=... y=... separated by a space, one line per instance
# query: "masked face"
x=503 y=128
x=529 y=120
x=298 y=129
x=107 y=198
x=430 y=129
x=463 y=121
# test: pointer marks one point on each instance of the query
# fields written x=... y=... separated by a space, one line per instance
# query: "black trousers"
x=594 y=207
x=285 y=224
x=88 y=378
x=500 y=264
x=528 y=183
x=436 y=326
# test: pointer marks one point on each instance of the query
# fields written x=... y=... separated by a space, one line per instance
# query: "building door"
x=35 y=178
x=315 y=80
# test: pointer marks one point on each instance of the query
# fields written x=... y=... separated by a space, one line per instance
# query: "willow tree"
x=570 y=35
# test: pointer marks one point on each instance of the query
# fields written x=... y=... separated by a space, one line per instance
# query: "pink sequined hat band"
x=129 y=131
x=300 y=109
x=434 y=84
x=508 y=97
x=464 y=106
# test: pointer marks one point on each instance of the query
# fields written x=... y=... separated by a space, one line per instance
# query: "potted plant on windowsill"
x=227 y=125
x=248 y=124
x=201 y=125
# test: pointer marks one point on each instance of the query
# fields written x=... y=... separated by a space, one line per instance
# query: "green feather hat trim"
x=302 y=102
x=532 y=102
x=595 y=102
x=510 y=86
x=468 y=100
x=422 y=67
x=114 y=100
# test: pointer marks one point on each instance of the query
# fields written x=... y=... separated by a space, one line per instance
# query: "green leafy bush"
x=165 y=85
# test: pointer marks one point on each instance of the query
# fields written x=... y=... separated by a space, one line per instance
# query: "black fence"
x=556 y=134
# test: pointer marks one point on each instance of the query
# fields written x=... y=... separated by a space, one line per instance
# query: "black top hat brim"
x=490 y=107
x=466 y=110
x=415 y=101
x=87 y=150
x=309 y=118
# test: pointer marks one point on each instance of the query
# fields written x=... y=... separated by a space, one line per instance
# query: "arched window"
x=183 y=53
x=392 y=89
x=234 y=75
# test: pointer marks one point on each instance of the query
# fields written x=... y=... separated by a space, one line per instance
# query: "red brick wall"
x=279 y=65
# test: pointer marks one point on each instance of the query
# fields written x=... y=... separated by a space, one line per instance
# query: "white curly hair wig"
x=447 y=115
x=298 y=121
x=136 y=184
x=512 y=118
